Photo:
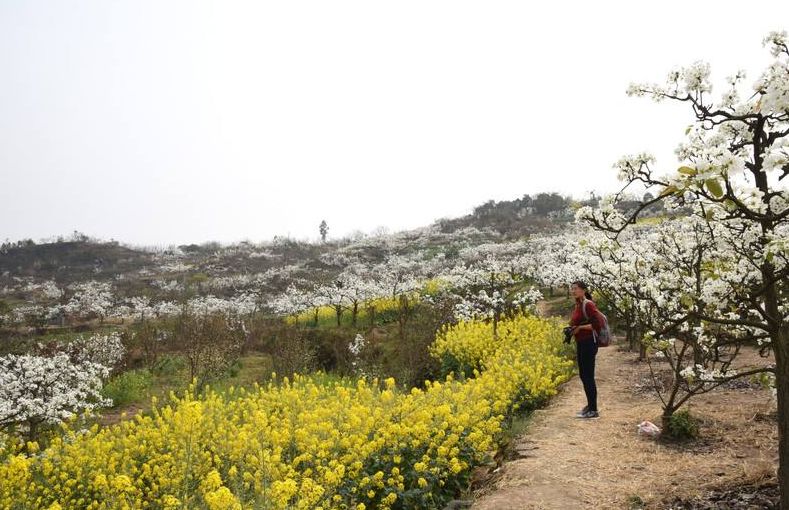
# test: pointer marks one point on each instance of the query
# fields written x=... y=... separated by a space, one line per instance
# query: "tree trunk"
x=665 y=419
x=780 y=344
x=629 y=333
x=781 y=349
x=779 y=327
x=642 y=351
x=403 y=315
x=32 y=430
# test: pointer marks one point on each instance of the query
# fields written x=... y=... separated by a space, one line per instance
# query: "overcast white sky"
x=168 y=122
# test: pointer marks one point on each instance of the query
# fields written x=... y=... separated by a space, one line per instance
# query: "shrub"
x=681 y=425
x=168 y=365
x=127 y=387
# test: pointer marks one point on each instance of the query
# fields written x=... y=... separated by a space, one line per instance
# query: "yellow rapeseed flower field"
x=301 y=443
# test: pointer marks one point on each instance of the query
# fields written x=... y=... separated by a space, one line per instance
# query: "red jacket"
x=578 y=317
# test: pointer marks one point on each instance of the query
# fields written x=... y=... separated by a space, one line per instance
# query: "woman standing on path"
x=586 y=326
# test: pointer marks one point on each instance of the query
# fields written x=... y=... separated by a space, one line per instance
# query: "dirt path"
x=568 y=463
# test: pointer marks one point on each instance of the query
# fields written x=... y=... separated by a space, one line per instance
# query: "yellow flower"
x=222 y=499
x=212 y=481
x=300 y=440
x=122 y=483
x=170 y=501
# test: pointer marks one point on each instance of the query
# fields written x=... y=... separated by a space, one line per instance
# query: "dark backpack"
x=604 y=339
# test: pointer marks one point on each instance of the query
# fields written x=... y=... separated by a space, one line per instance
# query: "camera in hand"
x=568 y=331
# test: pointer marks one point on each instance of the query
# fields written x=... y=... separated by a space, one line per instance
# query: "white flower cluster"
x=693 y=81
x=105 y=349
x=480 y=306
x=776 y=155
x=607 y=214
x=628 y=167
x=357 y=344
x=175 y=267
x=527 y=299
x=47 y=288
x=245 y=281
x=21 y=314
x=168 y=285
x=90 y=298
x=697 y=372
x=243 y=304
x=778 y=42
x=37 y=389
x=48 y=389
x=773 y=86
x=695 y=78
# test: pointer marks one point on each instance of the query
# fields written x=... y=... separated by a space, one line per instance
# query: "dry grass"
x=604 y=463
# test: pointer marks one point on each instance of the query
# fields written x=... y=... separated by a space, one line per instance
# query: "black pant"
x=586 y=350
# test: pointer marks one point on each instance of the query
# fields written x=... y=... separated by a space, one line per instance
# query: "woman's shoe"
x=591 y=414
x=582 y=412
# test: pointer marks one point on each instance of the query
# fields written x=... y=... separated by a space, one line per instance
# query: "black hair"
x=581 y=284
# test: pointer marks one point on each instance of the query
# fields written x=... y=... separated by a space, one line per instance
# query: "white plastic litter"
x=648 y=428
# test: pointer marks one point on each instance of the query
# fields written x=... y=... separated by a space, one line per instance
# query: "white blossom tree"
x=63 y=380
x=732 y=170
x=90 y=299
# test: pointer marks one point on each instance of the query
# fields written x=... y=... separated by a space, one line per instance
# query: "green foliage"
x=168 y=365
x=765 y=379
x=634 y=502
x=198 y=278
x=714 y=187
x=681 y=425
x=327 y=379
x=449 y=363
x=235 y=368
x=128 y=387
